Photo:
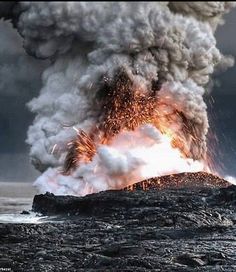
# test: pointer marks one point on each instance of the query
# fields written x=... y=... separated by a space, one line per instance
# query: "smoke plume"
x=154 y=58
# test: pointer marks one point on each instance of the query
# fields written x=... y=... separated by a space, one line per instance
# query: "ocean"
x=16 y=197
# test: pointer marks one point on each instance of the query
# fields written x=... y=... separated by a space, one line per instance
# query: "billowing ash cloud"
x=165 y=48
x=210 y=12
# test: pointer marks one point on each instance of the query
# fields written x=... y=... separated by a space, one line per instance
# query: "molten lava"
x=126 y=108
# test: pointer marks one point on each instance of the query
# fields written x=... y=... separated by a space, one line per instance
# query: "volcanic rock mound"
x=199 y=179
x=108 y=201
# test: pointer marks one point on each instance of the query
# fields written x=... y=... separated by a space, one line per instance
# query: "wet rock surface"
x=174 y=229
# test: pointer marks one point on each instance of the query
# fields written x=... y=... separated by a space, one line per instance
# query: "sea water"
x=16 y=197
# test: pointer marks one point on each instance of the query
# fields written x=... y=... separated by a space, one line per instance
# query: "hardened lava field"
x=182 y=229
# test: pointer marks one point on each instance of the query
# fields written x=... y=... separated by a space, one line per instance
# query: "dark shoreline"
x=180 y=229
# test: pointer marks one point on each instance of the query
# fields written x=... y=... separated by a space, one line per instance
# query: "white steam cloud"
x=132 y=156
x=170 y=43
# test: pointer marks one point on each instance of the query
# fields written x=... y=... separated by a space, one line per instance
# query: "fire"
x=126 y=108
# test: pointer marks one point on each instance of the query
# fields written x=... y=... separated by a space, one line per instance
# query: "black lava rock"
x=185 y=228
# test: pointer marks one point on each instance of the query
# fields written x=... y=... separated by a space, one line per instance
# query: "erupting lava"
x=125 y=109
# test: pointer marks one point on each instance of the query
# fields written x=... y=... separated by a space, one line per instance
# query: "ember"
x=125 y=107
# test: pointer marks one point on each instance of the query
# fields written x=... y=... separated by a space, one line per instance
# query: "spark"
x=53 y=149
x=76 y=129
x=80 y=150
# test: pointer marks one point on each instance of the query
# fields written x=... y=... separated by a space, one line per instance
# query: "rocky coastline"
x=188 y=225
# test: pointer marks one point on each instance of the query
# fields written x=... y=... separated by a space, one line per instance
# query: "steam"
x=164 y=47
x=132 y=156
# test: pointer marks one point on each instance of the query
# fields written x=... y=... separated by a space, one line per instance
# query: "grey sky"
x=20 y=77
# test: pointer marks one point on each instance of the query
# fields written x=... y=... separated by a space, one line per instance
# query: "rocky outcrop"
x=189 y=227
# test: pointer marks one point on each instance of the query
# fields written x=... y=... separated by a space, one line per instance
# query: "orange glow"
x=126 y=108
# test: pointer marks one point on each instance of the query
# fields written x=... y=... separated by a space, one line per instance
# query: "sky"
x=20 y=81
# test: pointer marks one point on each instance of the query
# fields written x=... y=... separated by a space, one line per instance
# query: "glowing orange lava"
x=126 y=107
